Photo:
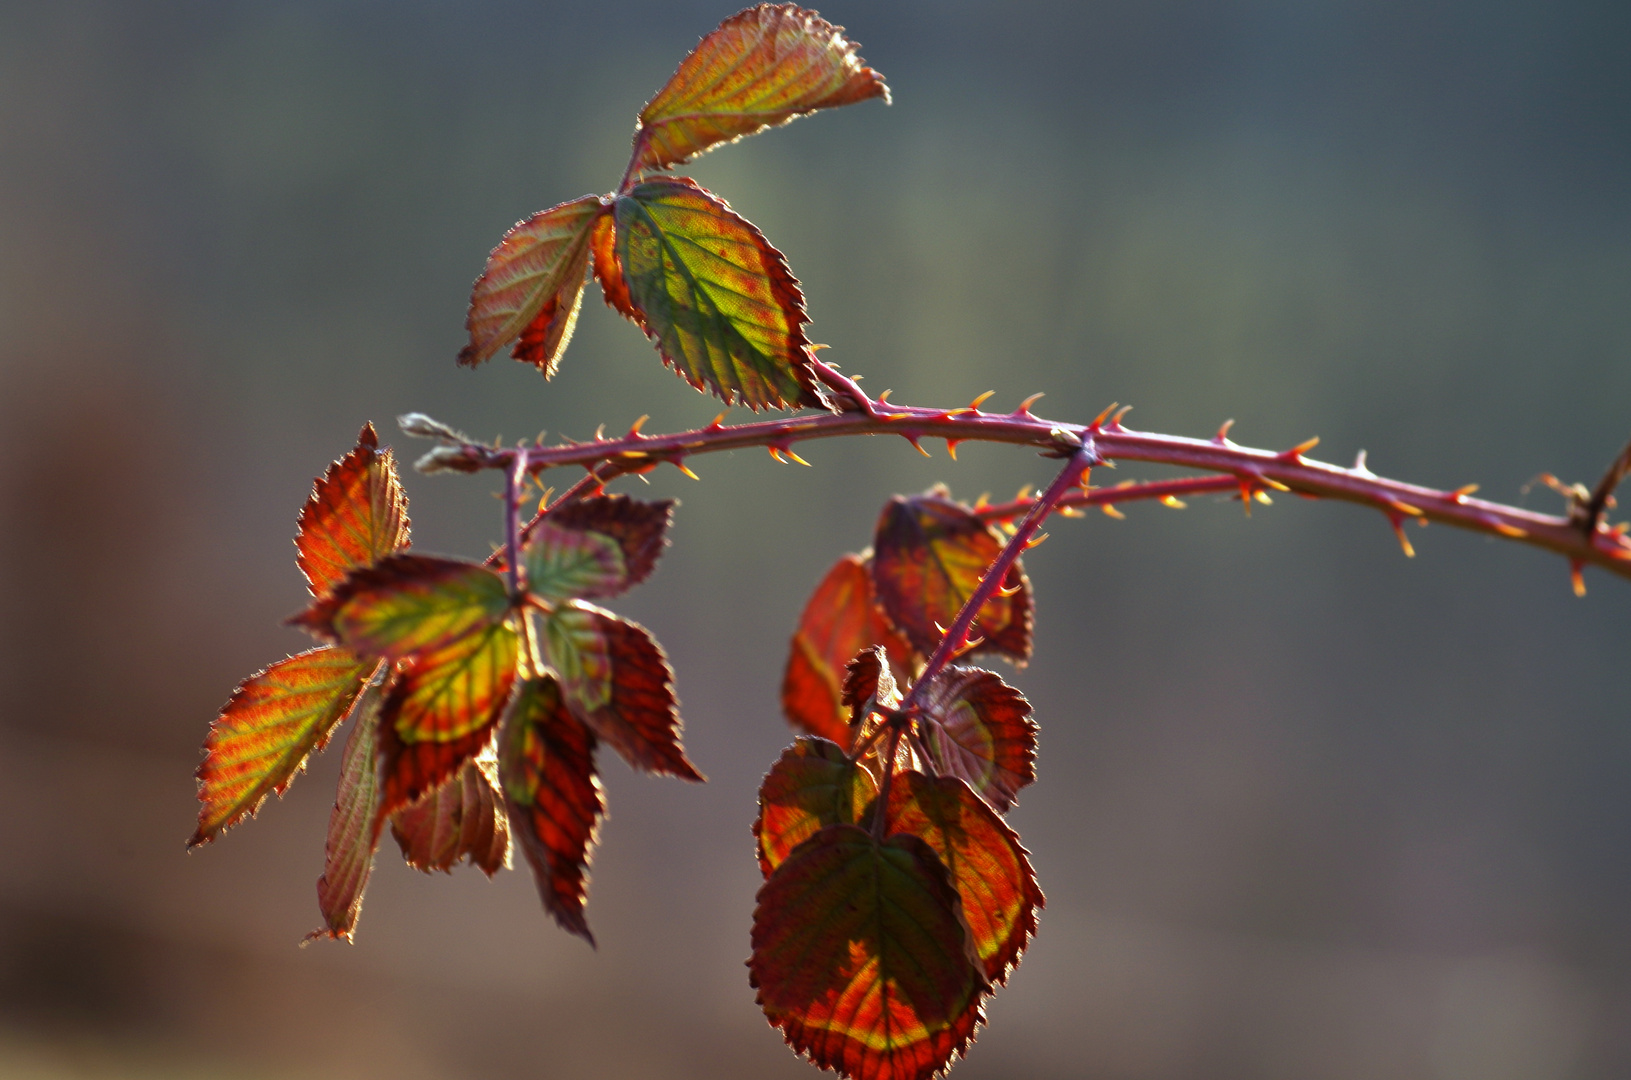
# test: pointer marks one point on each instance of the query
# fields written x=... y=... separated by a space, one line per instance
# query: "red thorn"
x=974 y=406
x=917 y=445
x=1025 y=406
x=1222 y=437
x=1577 y=576
x=1296 y=452
x=1397 y=520
x=1098 y=421
x=718 y=423
x=951 y=447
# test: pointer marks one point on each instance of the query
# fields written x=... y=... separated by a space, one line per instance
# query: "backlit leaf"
x=615 y=677
x=929 y=555
x=353 y=824
x=596 y=547
x=448 y=692
x=266 y=730
x=547 y=769
x=406 y=605
x=532 y=287
x=861 y=958
x=355 y=516
x=869 y=685
x=988 y=866
x=411 y=771
x=840 y=619
x=979 y=728
x=812 y=785
x=762 y=67
x=464 y=818
x=707 y=287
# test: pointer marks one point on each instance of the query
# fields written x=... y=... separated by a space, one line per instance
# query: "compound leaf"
x=979 y=728
x=840 y=619
x=532 y=287
x=353 y=824
x=812 y=785
x=762 y=67
x=356 y=515
x=596 y=547
x=988 y=867
x=704 y=284
x=929 y=556
x=463 y=818
x=615 y=677
x=861 y=958
x=265 y=732
x=547 y=770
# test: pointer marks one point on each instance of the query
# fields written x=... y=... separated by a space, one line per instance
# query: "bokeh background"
x=1307 y=809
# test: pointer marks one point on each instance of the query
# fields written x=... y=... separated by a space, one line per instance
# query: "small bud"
x=450 y=459
x=421 y=426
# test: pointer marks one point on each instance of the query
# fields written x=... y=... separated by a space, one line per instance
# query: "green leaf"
x=812 y=785
x=353 y=825
x=406 y=605
x=598 y=546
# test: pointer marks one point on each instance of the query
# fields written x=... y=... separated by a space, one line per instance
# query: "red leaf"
x=265 y=732
x=599 y=546
x=616 y=678
x=353 y=825
x=929 y=556
x=869 y=685
x=861 y=958
x=812 y=785
x=462 y=818
x=988 y=866
x=355 y=516
x=410 y=771
x=841 y=618
x=532 y=287
x=547 y=769
x=704 y=284
x=979 y=728
x=762 y=67
x=609 y=270
x=408 y=604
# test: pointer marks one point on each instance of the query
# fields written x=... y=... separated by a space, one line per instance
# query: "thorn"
x=600 y=433
x=1246 y=495
x=817 y=348
x=1263 y=497
x=1005 y=591
x=1111 y=511
x=1404 y=541
x=634 y=429
x=1023 y=493
x=970 y=645
x=686 y=469
x=642 y=476
x=1115 y=421
x=1300 y=449
x=719 y=422
x=951 y=447
x=777 y=454
x=1459 y=495
x=1035 y=541
x=1510 y=531
x=974 y=406
x=1067 y=511
x=1025 y=406
x=1404 y=508
x=1577 y=576
x=983 y=501
x=1269 y=481
x=789 y=452
x=1173 y=501
x=939 y=628
x=917 y=445
x=1222 y=437
x=1359 y=465
x=1098 y=421
x=885 y=395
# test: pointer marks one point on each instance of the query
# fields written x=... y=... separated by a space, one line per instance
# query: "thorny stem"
x=881 y=807
x=514 y=481
x=1251 y=471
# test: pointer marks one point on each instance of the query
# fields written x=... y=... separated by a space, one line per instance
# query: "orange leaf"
x=840 y=619
x=266 y=730
x=812 y=785
x=979 y=728
x=462 y=818
x=409 y=771
x=762 y=67
x=547 y=768
x=532 y=287
x=353 y=825
x=355 y=516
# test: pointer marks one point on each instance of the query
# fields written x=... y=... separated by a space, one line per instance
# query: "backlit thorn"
x=777 y=454
x=1035 y=541
x=1398 y=530
x=1115 y=421
x=684 y=468
x=974 y=406
x=1269 y=481
x=634 y=428
x=1025 y=406
x=917 y=445
x=1098 y=421
x=1512 y=532
x=1023 y=493
x=1359 y=465
x=1110 y=511
x=814 y=347
x=951 y=447
x=719 y=422
x=1577 y=576
x=1246 y=490
x=792 y=454
x=885 y=395
x=969 y=646
x=1173 y=501
x=983 y=501
x=938 y=628
x=632 y=455
x=600 y=433
x=641 y=475
x=1299 y=450
x=1222 y=437
x=1404 y=508
x=1010 y=590
x=1068 y=511
x=1459 y=495
x=1263 y=497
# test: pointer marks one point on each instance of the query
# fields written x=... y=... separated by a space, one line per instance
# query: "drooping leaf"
x=989 y=868
x=464 y=818
x=406 y=605
x=600 y=546
x=869 y=684
x=704 y=284
x=762 y=67
x=860 y=957
x=616 y=679
x=266 y=730
x=356 y=515
x=532 y=287
x=547 y=769
x=840 y=619
x=979 y=728
x=812 y=785
x=353 y=824
x=929 y=556
x=412 y=771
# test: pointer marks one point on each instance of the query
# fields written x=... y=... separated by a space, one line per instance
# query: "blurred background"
x=1306 y=808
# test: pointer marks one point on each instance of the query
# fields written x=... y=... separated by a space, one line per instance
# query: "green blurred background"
x=1306 y=809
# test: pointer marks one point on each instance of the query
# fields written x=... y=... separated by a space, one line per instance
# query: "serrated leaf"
x=979 y=728
x=266 y=730
x=989 y=868
x=446 y=693
x=547 y=770
x=704 y=284
x=840 y=619
x=406 y=605
x=812 y=785
x=356 y=515
x=861 y=958
x=353 y=824
x=532 y=287
x=761 y=67
x=463 y=818
x=929 y=554
x=869 y=685
x=411 y=771
x=617 y=680
x=596 y=547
